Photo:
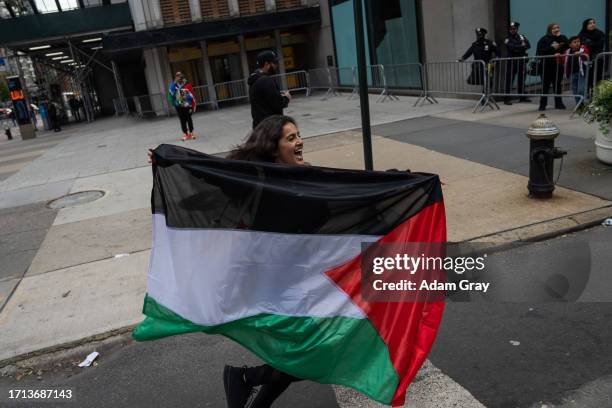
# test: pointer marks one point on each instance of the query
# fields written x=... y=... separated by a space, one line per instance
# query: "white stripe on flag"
x=214 y=276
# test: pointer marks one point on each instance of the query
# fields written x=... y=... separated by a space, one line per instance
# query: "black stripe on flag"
x=195 y=190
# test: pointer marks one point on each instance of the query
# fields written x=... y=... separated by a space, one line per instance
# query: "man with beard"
x=264 y=94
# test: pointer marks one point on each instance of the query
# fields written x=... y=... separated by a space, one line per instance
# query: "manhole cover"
x=70 y=200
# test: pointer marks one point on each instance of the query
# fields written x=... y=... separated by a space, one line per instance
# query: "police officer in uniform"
x=517 y=46
x=481 y=49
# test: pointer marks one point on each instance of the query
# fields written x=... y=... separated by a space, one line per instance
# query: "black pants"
x=55 y=123
x=514 y=68
x=552 y=76
x=184 y=115
x=273 y=384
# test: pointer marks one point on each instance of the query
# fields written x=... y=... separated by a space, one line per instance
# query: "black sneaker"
x=237 y=391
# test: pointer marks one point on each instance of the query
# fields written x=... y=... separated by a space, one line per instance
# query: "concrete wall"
x=448 y=26
x=322 y=43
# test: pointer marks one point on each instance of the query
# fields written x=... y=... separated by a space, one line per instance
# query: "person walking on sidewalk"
x=517 y=46
x=264 y=94
x=552 y=44
x=181 y=96
x=54 y=116
x=576 y=66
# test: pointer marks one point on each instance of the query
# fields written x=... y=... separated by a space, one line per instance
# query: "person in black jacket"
x=595 y=40
x=552 y=45
x=264 y=94
x=517 y=46
x=482 y=49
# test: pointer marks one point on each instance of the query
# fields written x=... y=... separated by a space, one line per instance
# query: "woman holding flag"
x=229 y=259
x=275 y=140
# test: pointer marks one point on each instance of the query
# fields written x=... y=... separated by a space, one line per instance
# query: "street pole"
x=363 y=86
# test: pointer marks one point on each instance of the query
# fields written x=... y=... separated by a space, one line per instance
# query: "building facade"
x=216 y=41
x=409 y=31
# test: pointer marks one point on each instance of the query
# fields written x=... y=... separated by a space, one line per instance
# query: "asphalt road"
x=561 y=350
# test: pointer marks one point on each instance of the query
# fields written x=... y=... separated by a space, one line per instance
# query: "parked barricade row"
x=408 y=77
x=459 y=78
x=602 y=67
x=321 y=79
x=295 y=81
x=151 y=105
x=121 y=106
x=554 y=76
x=203 y=95
x=232 y=90
x=344 y=78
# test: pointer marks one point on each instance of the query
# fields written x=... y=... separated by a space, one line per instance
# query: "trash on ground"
x=121 y=255
x=65 y=294
x=89 y=359
x=515 y=343
x=607 y=223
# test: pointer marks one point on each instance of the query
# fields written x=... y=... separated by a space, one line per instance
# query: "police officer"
x=482 y=49
x=517 y=46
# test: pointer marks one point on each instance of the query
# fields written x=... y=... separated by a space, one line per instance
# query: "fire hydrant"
x=542 y=155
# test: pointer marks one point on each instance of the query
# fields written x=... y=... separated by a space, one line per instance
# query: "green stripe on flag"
x=329 y=350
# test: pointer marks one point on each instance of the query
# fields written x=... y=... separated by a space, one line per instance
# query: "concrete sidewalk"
x=88 y=275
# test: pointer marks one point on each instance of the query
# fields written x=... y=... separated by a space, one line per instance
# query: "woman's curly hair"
x=262 y=143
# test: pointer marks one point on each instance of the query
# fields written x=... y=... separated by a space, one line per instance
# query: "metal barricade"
x=541 y=76
x=408 y=77
x=321 y=78
x=293 y=81
x=151 y=105
x=121 y=106
x=602 y=67
x=232 y=90
x=344 y=78
x=470 y=78
x=203 y=96
x=377 y=81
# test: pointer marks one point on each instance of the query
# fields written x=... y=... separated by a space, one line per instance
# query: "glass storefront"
x=392 y=38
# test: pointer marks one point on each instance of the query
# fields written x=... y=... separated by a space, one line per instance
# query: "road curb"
x=548 y=229
x=77 y=348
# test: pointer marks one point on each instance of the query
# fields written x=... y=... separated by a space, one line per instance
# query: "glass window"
x=343 y=19
x=394 y=40
x=69 y=4
x=46 y=6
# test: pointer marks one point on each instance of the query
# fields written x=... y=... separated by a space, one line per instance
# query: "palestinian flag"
x=269 y=256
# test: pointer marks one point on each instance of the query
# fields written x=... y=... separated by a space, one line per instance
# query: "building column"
x=194 y=7
x=210 y=83
x=270 y=5
x=281 y=59
x=146 y=14
x=158 y=79
x=244 y=61
x=234 y=8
